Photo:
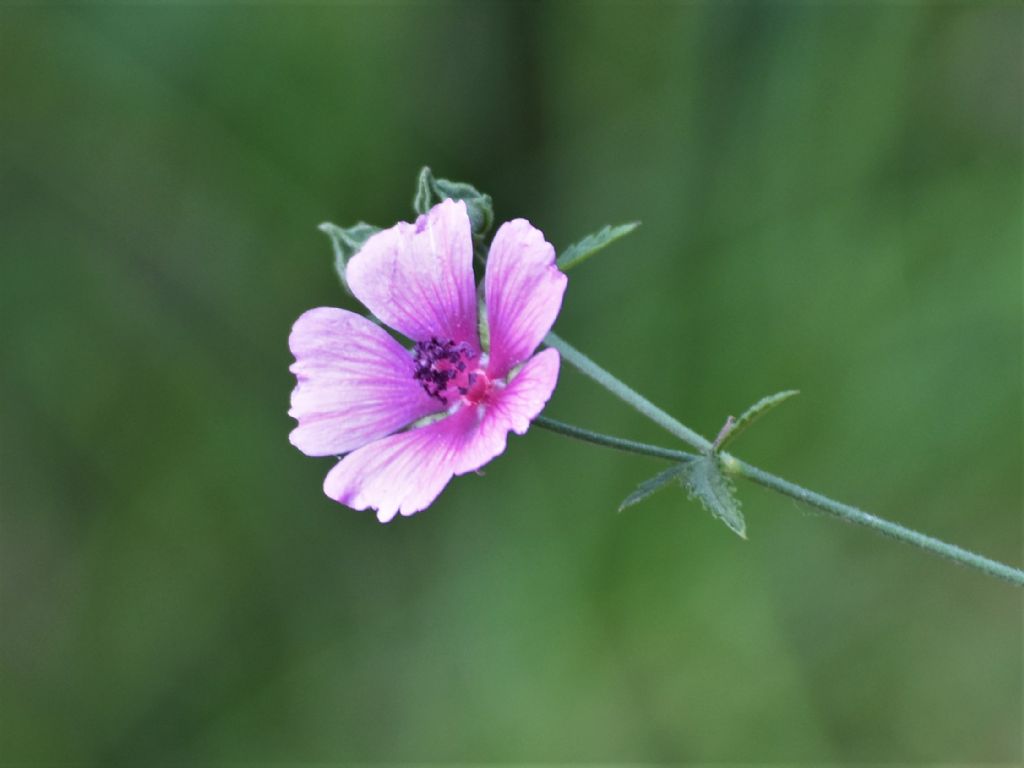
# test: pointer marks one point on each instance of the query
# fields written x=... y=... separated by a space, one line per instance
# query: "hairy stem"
x=626 y=393
x=860 y=517
x=742 y=469
x=619 y=443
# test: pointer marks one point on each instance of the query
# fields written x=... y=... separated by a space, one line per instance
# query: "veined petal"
x=405 y=472
x=526 y=395
x=355 y=383
x=523 y=293
x=418 y=278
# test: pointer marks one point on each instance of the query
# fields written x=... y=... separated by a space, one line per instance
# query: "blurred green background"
x=831 y=197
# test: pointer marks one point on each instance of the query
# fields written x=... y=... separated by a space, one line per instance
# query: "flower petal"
x=355 y=383
x=418 y=278
x=404 y=473
x=523 y=292
x=525 y=396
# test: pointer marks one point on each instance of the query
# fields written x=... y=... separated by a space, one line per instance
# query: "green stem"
x=618 y=443
x=626 y=393
x=741 y=468
x=859 y=517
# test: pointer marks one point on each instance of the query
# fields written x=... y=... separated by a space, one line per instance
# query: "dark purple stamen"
x=438 y=363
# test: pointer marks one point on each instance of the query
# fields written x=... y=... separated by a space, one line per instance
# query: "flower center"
x=448 y=371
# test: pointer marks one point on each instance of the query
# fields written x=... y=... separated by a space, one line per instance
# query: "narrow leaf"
x=423 y=200
x=591 y=244
x=649 y=486
x=706 y=483
x=346 y=244
x=752 y=414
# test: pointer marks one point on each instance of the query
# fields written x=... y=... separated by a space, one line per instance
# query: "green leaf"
x=591 y=244
x=649 y=486
x=430 y=191
x=752 y=414
x=706 y=483
x=346 y=244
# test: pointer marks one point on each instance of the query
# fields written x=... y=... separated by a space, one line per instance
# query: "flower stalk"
x=626 y=393
x=739 y=468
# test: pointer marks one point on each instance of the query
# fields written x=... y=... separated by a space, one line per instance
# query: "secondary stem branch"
x=618 y=443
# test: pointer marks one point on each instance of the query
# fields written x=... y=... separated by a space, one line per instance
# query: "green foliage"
x=653 y=484
x=346 y=243
x=733 y=428
x=592 y=243
x=707 y=483
x=431 y=190
x=704 y=480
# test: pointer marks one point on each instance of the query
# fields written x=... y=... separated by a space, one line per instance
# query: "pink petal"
x=523 y=294
x=355 y=383
x=527 y=393
x=404 y=473
x=418 y=278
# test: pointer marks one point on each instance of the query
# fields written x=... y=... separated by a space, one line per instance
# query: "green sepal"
x=706 y=482
x=483 y=326
x=424 y=197
x=430 y=191
x=591 y=244
x=752 y=414
x=653 y=484
x=346 y=243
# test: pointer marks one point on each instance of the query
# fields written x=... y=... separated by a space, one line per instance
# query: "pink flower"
x=359 y=390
